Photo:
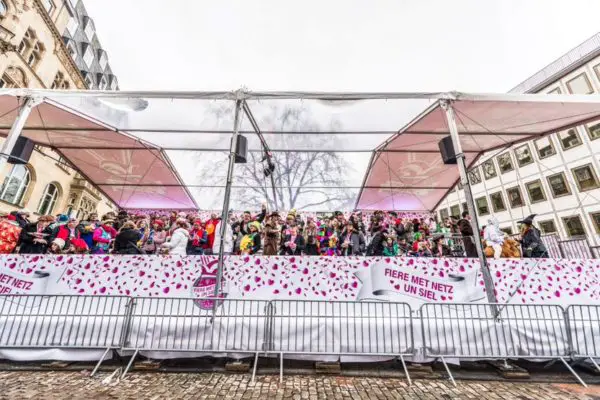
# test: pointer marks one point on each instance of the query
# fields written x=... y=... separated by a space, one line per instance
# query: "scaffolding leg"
x=130 y=364
x=280 y=367
x=405 y=370
x=448 y=371
x=255 y=366
x=595 y=363
x=99 y=362
x=573 y=371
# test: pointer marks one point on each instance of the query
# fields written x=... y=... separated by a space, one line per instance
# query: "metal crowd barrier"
x=195 y=326
x=63 y=321
x=474 y=331
x=584 y=325
x=341 y=328
x=279 y=327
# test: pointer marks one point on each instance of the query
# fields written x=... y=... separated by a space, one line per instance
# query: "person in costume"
x=9 y=233
x=531 y=240
x=35 y=237
x=198 y=239
x=103 y=235
x=311 y=238
x=493 y=236
x=272 y=235
x=293 y=244
x=251 y=242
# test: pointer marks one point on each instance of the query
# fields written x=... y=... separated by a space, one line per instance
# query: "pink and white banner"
x=411 y=280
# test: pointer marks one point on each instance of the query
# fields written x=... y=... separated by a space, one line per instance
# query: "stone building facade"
x=33 y=54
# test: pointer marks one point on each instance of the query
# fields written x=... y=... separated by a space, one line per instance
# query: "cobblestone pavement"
x=149 y=386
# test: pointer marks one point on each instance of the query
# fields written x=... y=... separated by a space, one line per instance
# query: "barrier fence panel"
x=575 y=248
x=584 y=325
x=63 y=321
x=193 y=325
x=552 y=245
x=475 y=331
x=341 y=328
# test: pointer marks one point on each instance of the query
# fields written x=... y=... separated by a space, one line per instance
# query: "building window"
x=3 y=8
x=72 y=49
x=536 y=191
x=569 y=139
x=60 y=82
x=455 y=211
x=474 y=176
x=593 y=131
x=497 y=202
x=27 y=42
x=49 y=6
x=547 y=227
x=103 y=83
x=505 y=163
x=102 y=59
x=523 y=154
x=35 y=55
x=482 y=206
x=48 y=200
x=15 y=185
x=6 y=82
x=596 y=219
x=443 y=214
x=72 y=25
x=573 y=226
x=580 y=85
x=514 y=197
x=558 y=185
x=555 y=91
x=585 y=177
x=88 y=56
x=507 y=229
x=89 y=28
x=489 y=169
x=89 y=82
x=465 y=207
x=544 y=147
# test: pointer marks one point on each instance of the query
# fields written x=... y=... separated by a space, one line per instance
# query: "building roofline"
x=560 y=67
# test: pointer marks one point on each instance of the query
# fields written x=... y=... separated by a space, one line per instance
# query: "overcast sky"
x=391 y=45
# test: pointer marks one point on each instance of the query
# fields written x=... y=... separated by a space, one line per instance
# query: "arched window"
x=48 y=200
x=3 y=8
x=15 y=185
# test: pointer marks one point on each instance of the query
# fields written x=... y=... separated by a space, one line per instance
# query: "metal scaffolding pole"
x=225 y=212
x=464 y=180
x=15 y=130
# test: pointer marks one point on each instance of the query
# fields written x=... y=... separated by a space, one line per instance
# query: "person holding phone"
x=34 y=237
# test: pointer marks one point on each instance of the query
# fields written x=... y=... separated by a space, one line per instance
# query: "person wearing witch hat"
x=531 y=241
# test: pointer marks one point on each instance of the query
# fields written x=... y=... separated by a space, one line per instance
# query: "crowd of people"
x=268 y=233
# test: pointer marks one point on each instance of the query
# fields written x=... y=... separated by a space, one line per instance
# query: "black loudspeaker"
x=447 y=150
x=241 y=149
x=21 y=152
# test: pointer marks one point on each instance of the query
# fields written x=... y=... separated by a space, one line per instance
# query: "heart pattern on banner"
x=313 y=278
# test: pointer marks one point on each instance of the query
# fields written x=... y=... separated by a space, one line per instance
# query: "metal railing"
x=584 y=325
x=466 y=330
x=301 y=327
x=63 y=321
x=341 y=328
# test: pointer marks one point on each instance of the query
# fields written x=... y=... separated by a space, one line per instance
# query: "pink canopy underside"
x=406 y=172
x=409 y=174
x=117 y=164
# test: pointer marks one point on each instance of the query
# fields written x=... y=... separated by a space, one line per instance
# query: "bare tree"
x=302 y=180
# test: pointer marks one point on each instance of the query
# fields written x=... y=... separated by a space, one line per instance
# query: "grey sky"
x=395 y=45
x=335 y=45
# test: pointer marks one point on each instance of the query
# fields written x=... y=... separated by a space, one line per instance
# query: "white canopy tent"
x=160 y=150
x=175 y=150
